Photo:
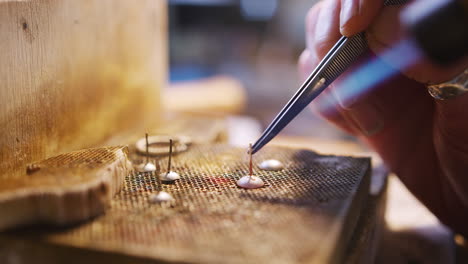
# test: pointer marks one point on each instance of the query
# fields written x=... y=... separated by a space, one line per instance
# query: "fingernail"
x=367 y=119
x=349 y=9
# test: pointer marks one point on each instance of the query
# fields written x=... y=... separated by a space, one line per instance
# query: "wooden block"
x=64 y=189
x=75 y=73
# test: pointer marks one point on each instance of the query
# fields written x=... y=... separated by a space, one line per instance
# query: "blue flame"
x=369 y=75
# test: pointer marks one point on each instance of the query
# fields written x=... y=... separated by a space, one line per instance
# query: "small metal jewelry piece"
x=158 y=145
x=148 y=166
x=250 y=181
x=161 y=197
x=451 y=89
x=169 y=176
x=271 y=165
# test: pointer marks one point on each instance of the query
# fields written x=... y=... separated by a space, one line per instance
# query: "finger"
x=451 y=144
x=366 y=104
x=322 y=29
x=310 y=22
x=308 y=60
x=452 y=141
x=395 y=118
x=325 y=32
x=357 y=15
x=326 y=106
x=321 y=33
x=406 y=144
x=305 y=64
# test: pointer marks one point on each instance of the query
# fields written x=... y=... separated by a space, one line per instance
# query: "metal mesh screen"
x=291 y=220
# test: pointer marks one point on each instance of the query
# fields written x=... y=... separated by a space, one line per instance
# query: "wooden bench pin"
x=64 y=189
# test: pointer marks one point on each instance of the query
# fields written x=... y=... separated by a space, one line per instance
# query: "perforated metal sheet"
x=298 y=217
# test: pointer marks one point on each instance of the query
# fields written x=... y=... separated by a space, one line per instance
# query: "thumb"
x=451 y=142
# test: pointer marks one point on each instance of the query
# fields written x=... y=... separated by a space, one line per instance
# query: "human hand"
x=424 y=141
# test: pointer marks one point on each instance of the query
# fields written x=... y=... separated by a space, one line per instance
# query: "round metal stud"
x=250 y=182
x=271 y=165
x=169 y=176
x=146 y=167
x=161 y=197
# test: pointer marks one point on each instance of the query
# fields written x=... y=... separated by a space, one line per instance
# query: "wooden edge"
x=60 y=206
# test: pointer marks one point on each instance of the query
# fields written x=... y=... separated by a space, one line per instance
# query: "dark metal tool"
x=345 y=52
x=337 y=60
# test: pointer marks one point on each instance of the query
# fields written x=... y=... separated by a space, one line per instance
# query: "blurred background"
x=257 y=42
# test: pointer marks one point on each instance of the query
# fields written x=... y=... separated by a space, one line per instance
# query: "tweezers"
x=336 y=61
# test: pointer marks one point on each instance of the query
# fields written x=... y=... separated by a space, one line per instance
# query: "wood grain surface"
x=64 y=189
x=74 y=73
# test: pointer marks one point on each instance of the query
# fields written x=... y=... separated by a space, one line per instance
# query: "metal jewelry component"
x=161 y=197
x=148 y=166
x=158 y=145
x=271 y=165
x=451 y=89
x=169 y=176
x=250 y=181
